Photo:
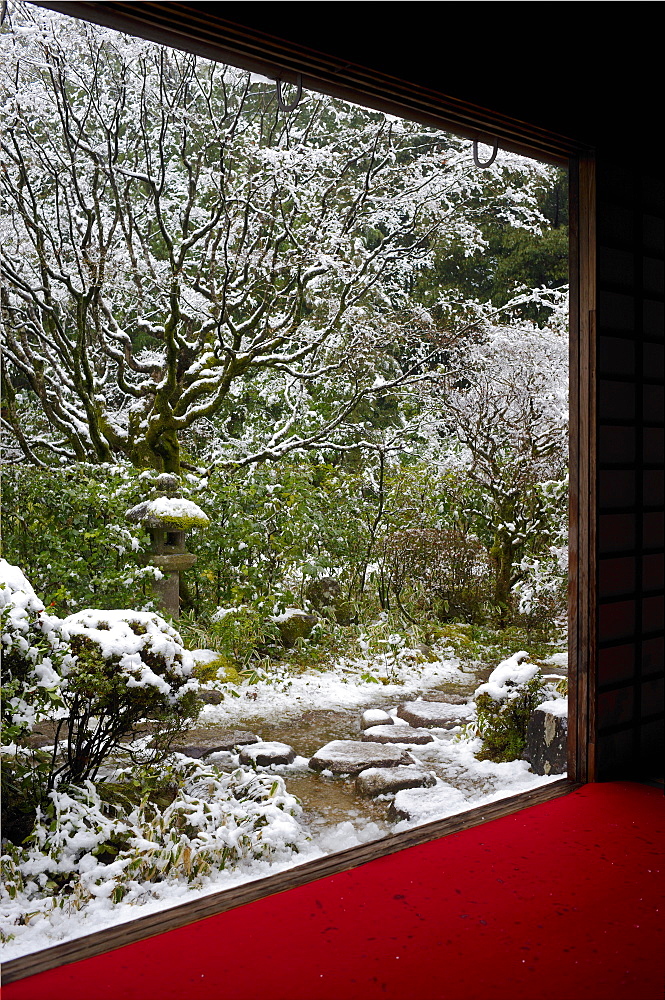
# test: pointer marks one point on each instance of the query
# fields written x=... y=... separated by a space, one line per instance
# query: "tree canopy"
x=190 y=274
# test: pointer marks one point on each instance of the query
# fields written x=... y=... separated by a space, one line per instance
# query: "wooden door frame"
x=251 y=50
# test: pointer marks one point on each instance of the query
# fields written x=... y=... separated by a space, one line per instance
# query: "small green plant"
x=502 y=723
x=239 y=634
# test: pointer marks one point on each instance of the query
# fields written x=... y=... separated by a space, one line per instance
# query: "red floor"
x=562 y=901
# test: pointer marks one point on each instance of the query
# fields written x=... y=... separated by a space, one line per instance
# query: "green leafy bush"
x=121 y=838
x=95 y=675
x=67 y=530
x=504 y=705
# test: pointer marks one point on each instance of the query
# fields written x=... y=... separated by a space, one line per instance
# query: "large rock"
x=327 y=593
x=263 y=754
x=353 y=756
x=423 y=805
x=198 y=746
x=294 y=624
x=211 y=697
x=384 y=780
x=397 y=734
x=434 y=714
x=546 y=746
x=375 y=717
x=447 y=699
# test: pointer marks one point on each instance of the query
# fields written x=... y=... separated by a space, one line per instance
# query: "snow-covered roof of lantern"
x=170 y=512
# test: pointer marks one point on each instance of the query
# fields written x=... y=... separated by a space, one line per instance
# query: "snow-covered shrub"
x=126 y=666
x=504 y=705
x=33 y=651
x=131 y=838
x=97 y=673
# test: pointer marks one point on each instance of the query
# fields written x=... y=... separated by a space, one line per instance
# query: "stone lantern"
x=167 y=519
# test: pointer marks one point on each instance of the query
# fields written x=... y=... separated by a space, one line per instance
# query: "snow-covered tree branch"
x=175 y=250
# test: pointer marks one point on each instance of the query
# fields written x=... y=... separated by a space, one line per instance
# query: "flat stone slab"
x=353 y=756
x=263 y=754
x=447 y=699
x=201 y=746
x=434 y=714
x=210 y=697
x=397 y=734
x=383 y=780
x=375 y=717
x=422 y=806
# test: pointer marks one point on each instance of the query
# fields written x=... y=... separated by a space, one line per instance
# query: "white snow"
x=125 y=634
x=204 y=656
x=558 y=660
x=288 y=614
x=557 y=707
x=505 y=680
x=175 y=507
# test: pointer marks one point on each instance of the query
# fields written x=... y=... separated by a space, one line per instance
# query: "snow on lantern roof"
x=169 y=512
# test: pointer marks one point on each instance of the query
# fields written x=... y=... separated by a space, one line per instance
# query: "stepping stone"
x=202 y=746
x=264 y=754
x=422 y=805
x=353 y=756
x=375 y=717
x=382 y=780
x=434 y=714
x=397 y=734
x=210 y=697
x=448 y=699
x=546 y=746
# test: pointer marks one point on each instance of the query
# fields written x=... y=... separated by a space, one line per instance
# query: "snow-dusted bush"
x=126 y=666
x=132 y=838
x=97 y=673
x=33 y=651
x=445 y=570
x=504 y=705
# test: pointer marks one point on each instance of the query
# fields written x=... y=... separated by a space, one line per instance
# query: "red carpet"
x=562 y=901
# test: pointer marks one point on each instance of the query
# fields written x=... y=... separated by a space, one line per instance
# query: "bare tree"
x=175 y=251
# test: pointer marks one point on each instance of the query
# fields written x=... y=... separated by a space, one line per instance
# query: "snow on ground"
x=284 y=695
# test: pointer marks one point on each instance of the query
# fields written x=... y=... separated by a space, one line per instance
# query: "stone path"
x=378 y=758
x=434 y=714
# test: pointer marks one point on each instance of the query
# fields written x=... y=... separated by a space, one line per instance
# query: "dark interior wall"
x=630 y=461
x=534 y=64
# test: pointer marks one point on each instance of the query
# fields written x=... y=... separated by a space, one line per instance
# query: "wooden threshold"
x=220 y=902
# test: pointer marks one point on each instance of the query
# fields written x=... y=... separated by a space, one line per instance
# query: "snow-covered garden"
x=121 y=821
x=285 y=487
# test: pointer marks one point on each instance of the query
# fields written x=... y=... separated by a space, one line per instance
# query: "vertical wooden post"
x=583 y=446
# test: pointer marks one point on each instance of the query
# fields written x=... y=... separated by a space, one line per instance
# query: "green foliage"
x=399 y=536
x=502 y=724
x=196 y=820
x=237 y=634
x=66 y=529
x=24 y=780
